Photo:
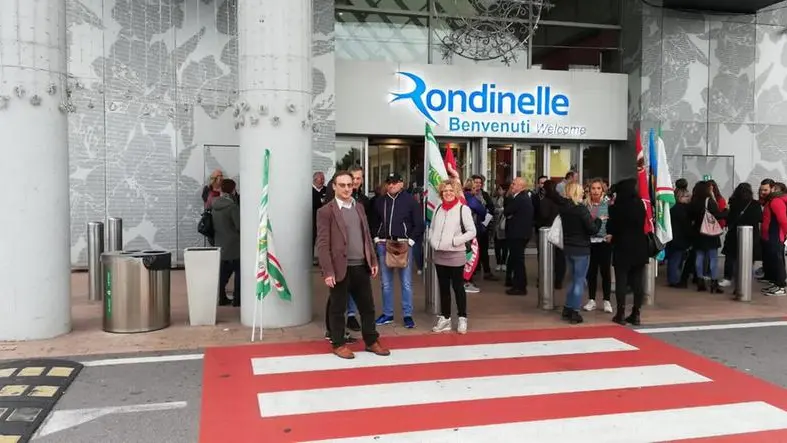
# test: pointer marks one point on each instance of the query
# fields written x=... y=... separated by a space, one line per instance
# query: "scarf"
x=449 y=205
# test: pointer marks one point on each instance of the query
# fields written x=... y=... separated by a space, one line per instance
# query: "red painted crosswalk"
x=596 y=384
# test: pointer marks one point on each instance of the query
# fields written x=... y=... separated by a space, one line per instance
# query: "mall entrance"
x=499 y=160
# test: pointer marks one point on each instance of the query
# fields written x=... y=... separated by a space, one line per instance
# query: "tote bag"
x=555 y=234
x=710 y=226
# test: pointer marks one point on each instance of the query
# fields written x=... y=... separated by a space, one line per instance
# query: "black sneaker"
x=352 y=323
x=575 y=318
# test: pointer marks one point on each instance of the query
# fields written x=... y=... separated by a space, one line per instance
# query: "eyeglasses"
x=344 y=185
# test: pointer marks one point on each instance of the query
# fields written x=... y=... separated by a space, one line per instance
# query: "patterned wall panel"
x=152 y=82
x=721 y=97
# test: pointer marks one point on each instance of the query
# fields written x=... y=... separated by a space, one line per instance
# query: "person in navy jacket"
x=398 y=217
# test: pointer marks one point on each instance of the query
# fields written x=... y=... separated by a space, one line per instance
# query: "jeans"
x=406 y=278
x=674 y=261
x=578 y=267
x=773 y=255
x=713 y=258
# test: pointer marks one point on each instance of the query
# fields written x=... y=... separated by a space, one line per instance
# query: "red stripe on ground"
x=230 y=410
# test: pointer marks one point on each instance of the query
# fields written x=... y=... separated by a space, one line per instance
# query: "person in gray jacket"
x=226 y=225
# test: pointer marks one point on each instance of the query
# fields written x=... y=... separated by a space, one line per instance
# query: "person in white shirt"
x=451 y=229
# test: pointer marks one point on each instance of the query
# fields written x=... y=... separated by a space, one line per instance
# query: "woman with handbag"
x=705 y=216
x=451 y=229
x=744 y=211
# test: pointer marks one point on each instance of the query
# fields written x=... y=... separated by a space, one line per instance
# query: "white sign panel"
x=396 y=99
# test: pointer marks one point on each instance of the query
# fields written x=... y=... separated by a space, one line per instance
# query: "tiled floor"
x=489 y=310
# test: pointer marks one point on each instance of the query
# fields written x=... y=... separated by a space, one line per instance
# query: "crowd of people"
x=605 y=232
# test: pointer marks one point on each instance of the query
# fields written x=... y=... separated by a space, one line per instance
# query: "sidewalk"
x=489 y=310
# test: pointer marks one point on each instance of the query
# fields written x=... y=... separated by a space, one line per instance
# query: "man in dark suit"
x=519 y=227
x=347 y=259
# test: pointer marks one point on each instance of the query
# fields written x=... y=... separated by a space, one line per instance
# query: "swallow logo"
x=416 y=96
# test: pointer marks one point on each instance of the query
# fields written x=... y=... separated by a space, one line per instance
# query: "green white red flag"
x=435 y=173
x=269 y=270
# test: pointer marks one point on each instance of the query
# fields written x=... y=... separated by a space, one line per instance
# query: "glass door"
x=389 y=155
x=462 y=155
x=596 y=161
x=351 y=151
x=562 y=159
x=529 y=162
x=500 y=165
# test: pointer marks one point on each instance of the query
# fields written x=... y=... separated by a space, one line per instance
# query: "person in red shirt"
x=773 y=233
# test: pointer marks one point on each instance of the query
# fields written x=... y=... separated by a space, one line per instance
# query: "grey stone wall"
x=152 y=83
x=715 y=84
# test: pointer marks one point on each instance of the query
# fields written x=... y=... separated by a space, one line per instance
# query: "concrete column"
x=35 y=266
x=273 y=112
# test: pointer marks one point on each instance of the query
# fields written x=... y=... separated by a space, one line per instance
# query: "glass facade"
x=566 y=34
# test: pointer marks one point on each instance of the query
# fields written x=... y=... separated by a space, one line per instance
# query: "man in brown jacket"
x=347 y=260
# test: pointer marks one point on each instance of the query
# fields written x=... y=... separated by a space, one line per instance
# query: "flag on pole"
x=472 y=256
x=268 y=268
x=642 y=185
x=435 y=173
x=664 y=192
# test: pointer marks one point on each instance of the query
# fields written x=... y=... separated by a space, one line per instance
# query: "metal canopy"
x=729 y=6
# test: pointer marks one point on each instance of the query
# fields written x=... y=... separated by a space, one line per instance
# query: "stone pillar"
x=35 y=266
x=274 y=112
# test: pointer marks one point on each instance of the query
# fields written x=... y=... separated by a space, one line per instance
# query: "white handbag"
x=555 y=234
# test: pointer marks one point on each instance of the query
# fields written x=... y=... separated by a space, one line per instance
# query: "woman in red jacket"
x=774 y=231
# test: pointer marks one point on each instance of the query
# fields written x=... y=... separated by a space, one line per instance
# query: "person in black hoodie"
x=398 y=220
x=744 y=211
x=578 y=227
x=679 y=246
x=626 y=228
x=548 y=210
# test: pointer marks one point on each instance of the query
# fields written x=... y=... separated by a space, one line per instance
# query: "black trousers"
x=629 y=277
x=357 y=282
x=600 y=263
x=767 y=261
x=501 y=251
x=516 y=263
x=451 y=277
x=226 y=270
x=773 y=261
x=483 y=253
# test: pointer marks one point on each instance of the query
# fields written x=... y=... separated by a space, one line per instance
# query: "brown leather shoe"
x=378 y=349
x=344 y=352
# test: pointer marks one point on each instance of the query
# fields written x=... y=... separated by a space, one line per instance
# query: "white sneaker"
x=725 y=283
x=462 y=326
x=443 y=324
x=471 y=288
x=590 y=306
x=504 y=268
x=777 y=292
x=607 y=307
x=499 y=268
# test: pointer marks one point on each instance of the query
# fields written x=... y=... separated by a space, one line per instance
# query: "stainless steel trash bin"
x=136 y=290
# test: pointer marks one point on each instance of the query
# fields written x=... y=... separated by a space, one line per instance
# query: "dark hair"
x=682 y=183
x=227 y=186
x=714 y=187
x=743 y=193
x=478 y=177
x=701 y=191
x=355 y=168
x=341 y=174
x=781 y=187
x=570 y=174
x=767 y=181
x=550 y=190
x=540 y=177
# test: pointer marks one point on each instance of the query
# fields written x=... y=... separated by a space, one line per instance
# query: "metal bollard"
x=744 y=264
x=651 y=269
x=95 y=247
x=431 y=289
x=546 y=272
x=114 y=234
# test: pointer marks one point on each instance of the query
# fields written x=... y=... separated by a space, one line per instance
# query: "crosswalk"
x=595 y=384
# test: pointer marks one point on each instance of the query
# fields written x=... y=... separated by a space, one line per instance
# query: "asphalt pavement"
x=160 y=401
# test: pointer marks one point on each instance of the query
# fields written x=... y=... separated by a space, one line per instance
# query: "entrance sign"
x=395 y=99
